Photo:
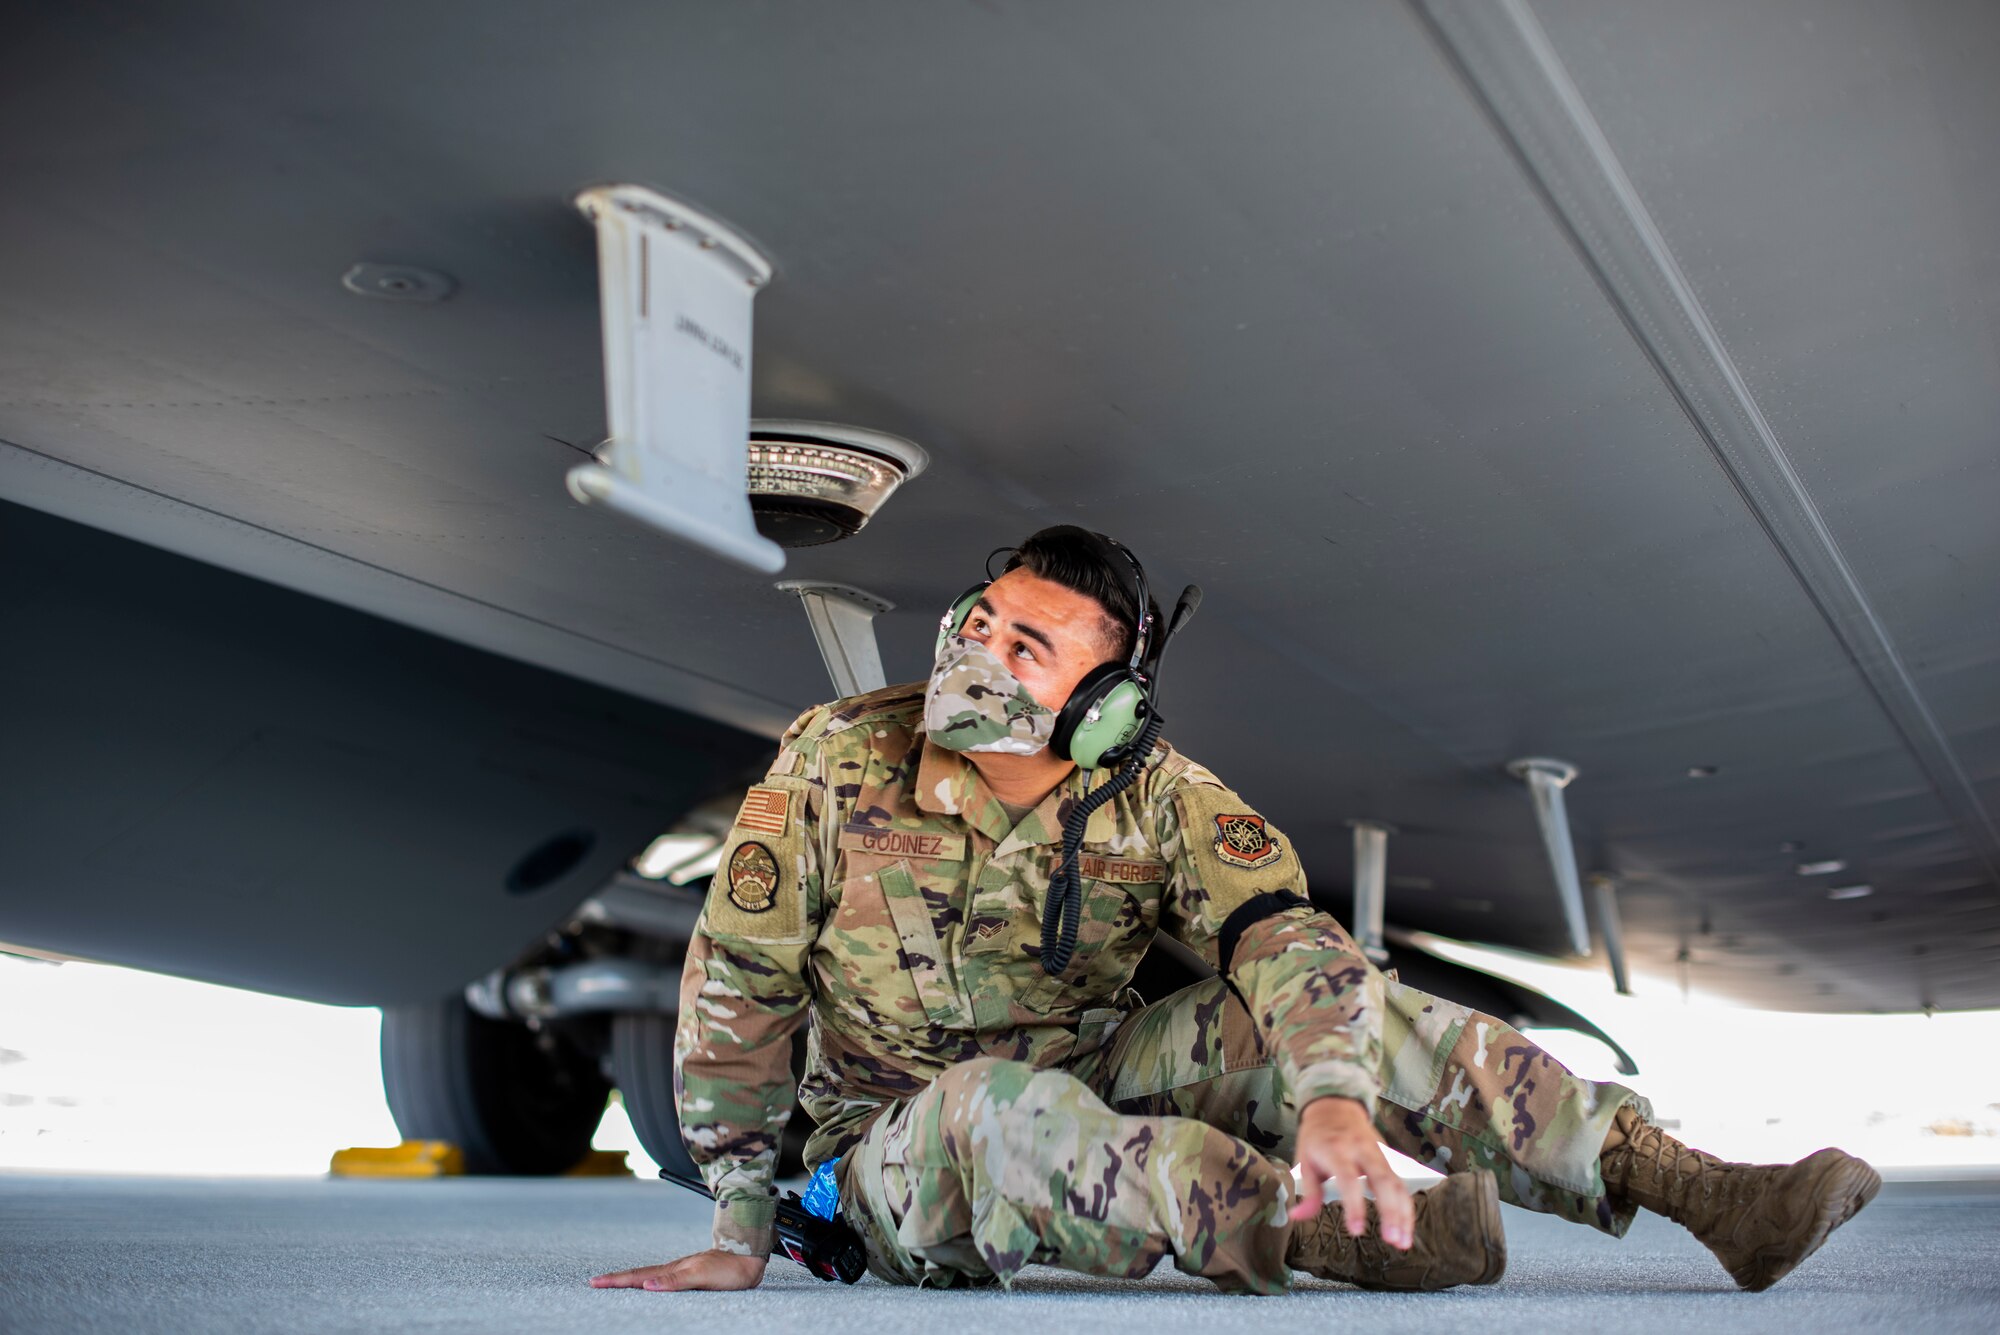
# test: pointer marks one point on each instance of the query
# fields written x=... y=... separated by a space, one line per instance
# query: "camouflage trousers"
x=1174 y=1139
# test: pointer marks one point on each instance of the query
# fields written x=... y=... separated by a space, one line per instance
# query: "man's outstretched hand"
x=1337 y=1142
x=703 y=1270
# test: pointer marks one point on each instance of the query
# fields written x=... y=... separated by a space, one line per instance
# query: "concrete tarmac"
x=219 y=1257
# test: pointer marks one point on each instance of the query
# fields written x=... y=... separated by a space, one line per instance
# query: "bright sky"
x=113 y=1070
x=1764 y=1086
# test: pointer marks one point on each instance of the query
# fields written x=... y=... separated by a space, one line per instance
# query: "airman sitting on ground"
x=994 y=1095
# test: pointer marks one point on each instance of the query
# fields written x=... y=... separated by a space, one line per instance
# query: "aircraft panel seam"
x=1512 y=71
x=86 y=496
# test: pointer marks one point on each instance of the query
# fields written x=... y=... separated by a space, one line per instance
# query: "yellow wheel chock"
x=441 y=1158
x=412 y=1158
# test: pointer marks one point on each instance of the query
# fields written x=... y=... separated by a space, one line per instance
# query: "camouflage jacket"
x=873 y=884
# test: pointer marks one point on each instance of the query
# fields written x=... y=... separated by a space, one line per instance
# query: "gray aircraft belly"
x=1260 y=290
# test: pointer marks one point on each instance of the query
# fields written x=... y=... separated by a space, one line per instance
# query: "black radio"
x=827 y=1247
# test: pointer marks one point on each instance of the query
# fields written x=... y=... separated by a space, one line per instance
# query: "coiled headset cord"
x=1062 y=916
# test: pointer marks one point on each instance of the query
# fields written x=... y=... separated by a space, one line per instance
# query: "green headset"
x=1110 y=706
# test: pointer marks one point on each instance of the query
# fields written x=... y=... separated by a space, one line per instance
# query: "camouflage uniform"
x=991 y=1116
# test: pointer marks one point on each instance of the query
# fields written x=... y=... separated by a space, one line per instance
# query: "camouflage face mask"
x=975 y=704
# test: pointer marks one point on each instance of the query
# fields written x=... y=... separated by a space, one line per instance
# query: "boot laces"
x=1685 y=1176
x=1328 y=1241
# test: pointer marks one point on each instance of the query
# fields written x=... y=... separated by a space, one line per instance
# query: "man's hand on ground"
x=703 y=1270
x=1337 y=1143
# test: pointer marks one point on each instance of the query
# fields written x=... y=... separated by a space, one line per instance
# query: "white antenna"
x=676 y=288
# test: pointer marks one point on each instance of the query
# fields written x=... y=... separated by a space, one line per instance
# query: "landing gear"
x=642 y=1064
x=515 y=1099
x=517 y=1069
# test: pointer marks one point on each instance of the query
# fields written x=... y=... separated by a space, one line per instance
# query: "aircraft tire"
x=516 y=1101
x=642 y=1065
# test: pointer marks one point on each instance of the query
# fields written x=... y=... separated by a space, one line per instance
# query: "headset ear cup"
x=1119 y=701
x=954 y=620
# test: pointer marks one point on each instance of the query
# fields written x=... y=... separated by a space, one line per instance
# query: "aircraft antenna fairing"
x=676 y=287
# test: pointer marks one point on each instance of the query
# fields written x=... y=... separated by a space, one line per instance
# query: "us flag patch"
x=766 y=810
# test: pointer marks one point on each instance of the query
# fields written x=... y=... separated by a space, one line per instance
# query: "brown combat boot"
x=1760 y=1220
x=1457 y=1240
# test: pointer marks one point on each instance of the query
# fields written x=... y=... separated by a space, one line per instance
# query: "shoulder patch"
x=1231 y=855
x=765 y=810
x=1244 y=840
x=753 y=878
x=756 y=895
x=767 y=876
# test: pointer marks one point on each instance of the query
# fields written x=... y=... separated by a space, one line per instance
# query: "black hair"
x=1092 y=565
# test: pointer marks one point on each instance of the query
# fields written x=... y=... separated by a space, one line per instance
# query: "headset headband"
x=1142 y=626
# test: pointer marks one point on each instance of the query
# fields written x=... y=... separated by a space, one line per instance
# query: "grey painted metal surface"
x=650 y=908
x=1604 y=901
x=675 y=288
x=1371 y=886
x=212 y=776
x=1546 y=780
x=1506 y=56
x=843 y=626
x=1259 y=291
x=100 y=500
x=583 y=988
